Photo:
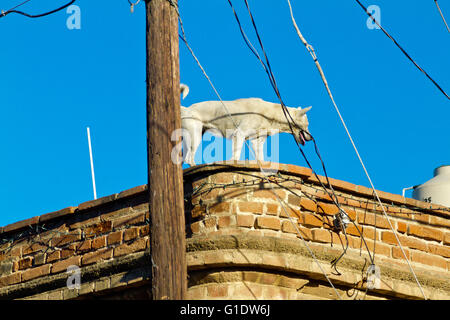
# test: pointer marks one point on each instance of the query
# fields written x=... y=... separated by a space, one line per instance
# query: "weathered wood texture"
x=165 y=178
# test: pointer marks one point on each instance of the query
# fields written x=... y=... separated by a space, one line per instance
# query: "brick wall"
x=106 y=238
x=241 y=243
x=233 y=200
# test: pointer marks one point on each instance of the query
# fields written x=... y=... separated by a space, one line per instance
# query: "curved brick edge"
x=64 y=213
x=260 y=284
x=308 y=176
x=223 y=166
x=91 y=276
x=292 y=256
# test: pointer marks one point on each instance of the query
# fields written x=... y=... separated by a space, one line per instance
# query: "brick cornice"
x=289 y=255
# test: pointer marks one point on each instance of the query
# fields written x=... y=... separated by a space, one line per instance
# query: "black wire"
x=4 y=14
x=272 y=80
x=403 y=50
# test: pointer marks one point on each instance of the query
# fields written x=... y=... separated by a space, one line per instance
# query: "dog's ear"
x=302 y=112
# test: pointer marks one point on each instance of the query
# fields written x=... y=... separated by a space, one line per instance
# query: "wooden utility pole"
x=165 y=178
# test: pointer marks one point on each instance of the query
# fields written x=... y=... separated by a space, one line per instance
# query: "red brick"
x=128 y=220
x=252 y=207
x=130 y=234
x=123 y=249
x=84 y=246
x=113 y=238
x=447 y=238
x=288 y=227
x=25 y=263
x=390 y=197
x=99 y=242
x=288 y=212
x=268 y=222
x=57 y=214
x=380 y=248
x=98 y=229
x=132 y=191
x=64 y=264
x=94 y=203
x=367 y=232
x=68 y=252
x=37 y=272
x=321 y=235
x=35 y=247
x=301 y=171
x=10 y=279
x=322 y=195
x=397 y=253
x=422 y=217
x=427 y=233
x=443 y=251
x=373 y=220
x=225 y=221
x=93 y=257
x=53 y=256
x=305 y=233
x=327 y=208
x=429 y=259
x=402 y=227
x=353 y=203
x=412 y=243
x=441 y=222
x=198 y=211
x=21 y=224
x=351 y=213
x=269 y=194
x=311 y=220
x=144 y=231
x=272 y=208
x=220 y=207
x=308 y=205
x=196 y=227
x=210 y=222
x=65 y=239
x=245 y=220
x=223 y=178
x=294 y=199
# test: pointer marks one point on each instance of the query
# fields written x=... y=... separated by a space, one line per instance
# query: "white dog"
x=252 y=119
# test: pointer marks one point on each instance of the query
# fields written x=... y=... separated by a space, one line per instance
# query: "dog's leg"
x=238 y=140
x=192 y=137
x=258 y=147
x=196 y=140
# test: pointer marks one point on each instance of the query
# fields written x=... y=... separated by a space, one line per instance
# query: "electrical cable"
x=356 y=149
x=269 y=72
x=442 y=15
x=403 y=50
x=183 y=38
x=5 y=13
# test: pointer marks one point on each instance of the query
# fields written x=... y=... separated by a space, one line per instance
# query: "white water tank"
x=436 y=190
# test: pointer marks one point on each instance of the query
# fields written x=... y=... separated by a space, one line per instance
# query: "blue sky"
x=55 y=82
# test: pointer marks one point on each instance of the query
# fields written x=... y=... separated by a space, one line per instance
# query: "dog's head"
x=302 y=125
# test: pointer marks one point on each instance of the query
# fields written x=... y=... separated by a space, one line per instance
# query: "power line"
x=12 y=10
x=311 y=50
x=403 y=50
x=442 y=15
x=269 y=72
x=183 y=38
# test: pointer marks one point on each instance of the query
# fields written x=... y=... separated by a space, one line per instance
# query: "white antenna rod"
x=92 y=163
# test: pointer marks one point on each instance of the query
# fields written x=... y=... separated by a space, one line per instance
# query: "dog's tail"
x=184 y=89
